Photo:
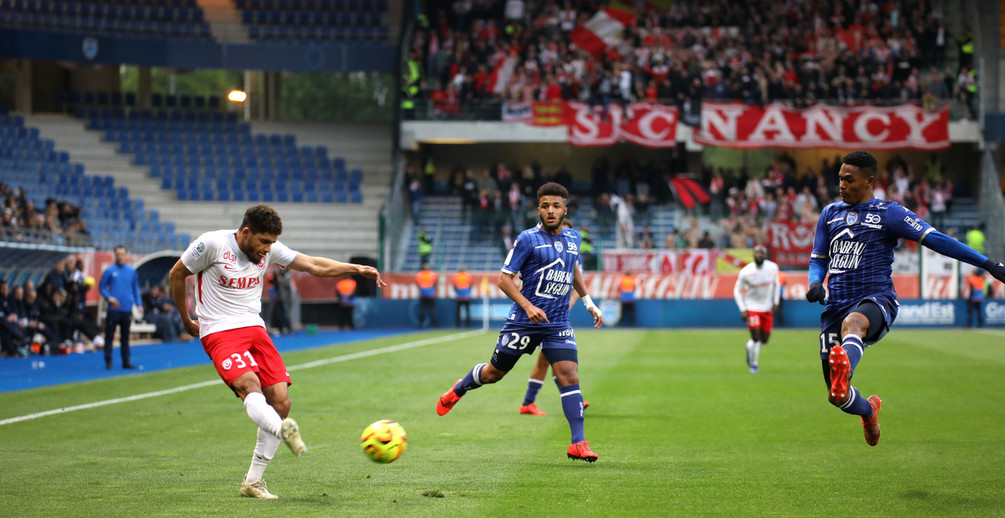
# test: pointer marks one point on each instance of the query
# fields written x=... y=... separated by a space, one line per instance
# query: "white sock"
x=262 y=413
x=750 y=353
x=757 y=352
x=265 y=449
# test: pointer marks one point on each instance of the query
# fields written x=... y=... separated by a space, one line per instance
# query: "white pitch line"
x=318 y=363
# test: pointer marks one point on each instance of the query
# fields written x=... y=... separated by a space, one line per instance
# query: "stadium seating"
x=152 y=18
x=209 y=156
x=314 y=20
x=112 y=217
x=456 y=243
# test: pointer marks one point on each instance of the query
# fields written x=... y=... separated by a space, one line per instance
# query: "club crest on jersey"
x=558 y=246
x=851 y=218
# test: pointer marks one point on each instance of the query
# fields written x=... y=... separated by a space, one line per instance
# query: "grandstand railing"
x=492 y=109
x=32 y=236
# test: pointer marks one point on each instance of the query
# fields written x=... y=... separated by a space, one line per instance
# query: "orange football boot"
x=840 y=376
x=581 y=451
x=870 y=426
x=447 y=400
x=531 y=409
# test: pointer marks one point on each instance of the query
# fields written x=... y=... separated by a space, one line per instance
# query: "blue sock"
x=572 y=406
x=470 y=381
x=853 y=347
x=533 y=386
x=857 y=404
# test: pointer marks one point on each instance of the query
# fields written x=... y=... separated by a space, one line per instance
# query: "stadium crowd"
x=500 y=200
x=58 y=221
x=50 y=318
x=470 y=52
x=53 y=317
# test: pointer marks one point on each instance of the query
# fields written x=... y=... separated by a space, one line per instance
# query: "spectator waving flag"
x=603 y=29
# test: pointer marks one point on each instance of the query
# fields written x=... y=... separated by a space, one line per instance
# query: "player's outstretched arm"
x=325 y=267
x=949 y=247
x=179 y=272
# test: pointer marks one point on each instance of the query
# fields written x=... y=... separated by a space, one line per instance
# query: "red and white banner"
x=696 y=261
x=905 y=126
x=603 y=29
x=645 y=124
x=790 y=243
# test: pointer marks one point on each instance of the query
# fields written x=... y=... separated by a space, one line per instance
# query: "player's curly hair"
x=552 y=189
x=863 y=160
x=262 y=219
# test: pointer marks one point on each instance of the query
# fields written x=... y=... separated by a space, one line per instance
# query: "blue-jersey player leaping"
x=854 y=247
x=546 y=258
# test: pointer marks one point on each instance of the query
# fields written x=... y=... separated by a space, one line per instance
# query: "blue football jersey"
x=857 y=242
x=546 y=264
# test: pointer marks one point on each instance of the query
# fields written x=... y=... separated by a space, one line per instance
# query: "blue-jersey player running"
x=854 y=246
x=546 y=258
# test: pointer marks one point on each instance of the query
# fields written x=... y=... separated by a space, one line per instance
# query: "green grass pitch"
x=680 y=426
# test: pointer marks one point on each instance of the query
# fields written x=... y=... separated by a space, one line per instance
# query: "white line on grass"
x=992 y=332
x=318 y=363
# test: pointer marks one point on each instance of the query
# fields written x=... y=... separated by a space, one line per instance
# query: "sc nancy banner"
x=907 y=126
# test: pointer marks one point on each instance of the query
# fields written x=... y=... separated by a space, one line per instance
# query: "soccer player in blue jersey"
x=853 y=246
x=546 y=258
x=540 y=369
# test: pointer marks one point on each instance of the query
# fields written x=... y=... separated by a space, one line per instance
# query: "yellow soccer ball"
x=383 y=441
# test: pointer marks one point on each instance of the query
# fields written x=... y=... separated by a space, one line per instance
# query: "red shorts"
x=245 y=349
x=763 y=320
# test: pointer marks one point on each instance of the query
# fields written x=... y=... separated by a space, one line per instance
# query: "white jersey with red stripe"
x=229 y=285
x=756 y=288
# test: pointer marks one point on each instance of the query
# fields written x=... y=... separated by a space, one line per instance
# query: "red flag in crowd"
x=603 y=29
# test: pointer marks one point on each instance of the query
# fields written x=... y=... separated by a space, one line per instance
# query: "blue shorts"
x=881 y=310
x=834 y=315
x=558 y=343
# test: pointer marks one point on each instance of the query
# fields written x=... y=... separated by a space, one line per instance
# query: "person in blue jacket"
x=120 y=288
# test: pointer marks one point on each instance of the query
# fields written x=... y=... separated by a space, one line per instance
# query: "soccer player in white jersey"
x=230 y=267
x=757 y=295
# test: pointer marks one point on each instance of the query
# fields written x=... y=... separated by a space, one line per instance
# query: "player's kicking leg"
x=479 y=375
x=841 y=362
